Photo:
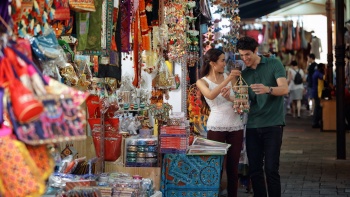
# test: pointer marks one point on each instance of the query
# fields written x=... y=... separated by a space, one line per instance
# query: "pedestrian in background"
x=316 y=92
x=296 y=91
x=310 y=69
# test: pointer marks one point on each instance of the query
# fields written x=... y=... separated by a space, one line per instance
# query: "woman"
x=296 y=90
x=223 y=125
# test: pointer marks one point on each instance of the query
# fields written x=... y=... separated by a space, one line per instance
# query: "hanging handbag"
x=24 y=104
x=62 y=11
x=112 y=144
x=61 y=120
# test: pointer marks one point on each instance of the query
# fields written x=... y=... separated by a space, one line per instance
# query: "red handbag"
x=112 y=144
x=25 y=106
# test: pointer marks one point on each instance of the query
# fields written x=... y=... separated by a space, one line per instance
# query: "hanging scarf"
x=136 y=50
x=289 y=42
x=4 y=13
x=125 y=7
x=296 y=43
x=146 y=44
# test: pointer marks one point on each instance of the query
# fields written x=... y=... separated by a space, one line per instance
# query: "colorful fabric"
x=42 y=159
x=18 y=172
x=125 y=7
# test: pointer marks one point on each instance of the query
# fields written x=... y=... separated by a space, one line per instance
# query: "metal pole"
x=340 y=86
x=329 y=42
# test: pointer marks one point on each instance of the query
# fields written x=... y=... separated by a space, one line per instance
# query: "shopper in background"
x=268 y=85
x=296 y=91
x=223 y=125
x=311 y=68
x=316 y=92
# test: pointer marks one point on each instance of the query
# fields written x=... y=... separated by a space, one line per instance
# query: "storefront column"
x=340 y=82
x=329 y=42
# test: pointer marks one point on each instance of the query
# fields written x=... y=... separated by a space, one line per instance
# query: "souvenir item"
x=42 y=159
x=112 y=143
x=241 y=103
x=82 y=24
x=24 y=104
x=26 y=176
x=60 y=121
x=82 y=6
x=94 y=34
x=62 y=11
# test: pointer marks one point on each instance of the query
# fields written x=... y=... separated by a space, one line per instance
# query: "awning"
x=252 y=9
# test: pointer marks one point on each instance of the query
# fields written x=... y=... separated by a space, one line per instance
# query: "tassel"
x=36 y=7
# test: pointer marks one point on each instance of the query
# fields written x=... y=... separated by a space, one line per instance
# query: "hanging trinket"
x=241 y=102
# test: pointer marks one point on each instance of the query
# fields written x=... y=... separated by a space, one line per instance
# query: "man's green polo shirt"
x=265 y=110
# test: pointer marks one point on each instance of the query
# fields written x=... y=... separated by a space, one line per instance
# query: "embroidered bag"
x=25 y=106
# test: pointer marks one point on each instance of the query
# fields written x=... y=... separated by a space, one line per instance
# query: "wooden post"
x=340 y=86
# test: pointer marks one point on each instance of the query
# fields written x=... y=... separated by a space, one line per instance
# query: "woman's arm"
x=212 y=94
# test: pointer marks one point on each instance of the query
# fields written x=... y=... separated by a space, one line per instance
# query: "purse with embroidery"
x=60 y=121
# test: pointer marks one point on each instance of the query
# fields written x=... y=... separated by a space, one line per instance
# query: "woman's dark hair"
x=247 y=43
x=321 y=67
x=212 y=55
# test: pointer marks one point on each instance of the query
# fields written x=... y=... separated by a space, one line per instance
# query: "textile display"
x=125 y=9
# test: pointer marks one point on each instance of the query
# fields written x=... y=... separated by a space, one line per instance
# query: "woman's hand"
x=234 y=74
x=225 y=92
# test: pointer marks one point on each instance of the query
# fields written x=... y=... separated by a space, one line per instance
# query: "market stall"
x=89 y=90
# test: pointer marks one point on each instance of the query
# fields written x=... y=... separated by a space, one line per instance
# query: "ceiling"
x=252 y=9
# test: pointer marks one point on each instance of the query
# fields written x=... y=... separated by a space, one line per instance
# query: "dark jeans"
x=235 y=138
x=263 y=151
x=317 y=118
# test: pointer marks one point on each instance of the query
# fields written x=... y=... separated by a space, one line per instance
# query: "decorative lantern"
x=241 y=103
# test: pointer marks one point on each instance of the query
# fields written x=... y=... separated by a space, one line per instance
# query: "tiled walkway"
x=308 y=162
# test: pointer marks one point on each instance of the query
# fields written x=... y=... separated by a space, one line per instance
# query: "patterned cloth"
x=18 y=172
x=125 y=7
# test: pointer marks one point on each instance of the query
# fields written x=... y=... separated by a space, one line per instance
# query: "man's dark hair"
x=294 y=63
x=312 y=56
x=247 y=43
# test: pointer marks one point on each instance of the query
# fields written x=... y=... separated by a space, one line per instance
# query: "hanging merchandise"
x=125 y=7
x=18 y=173
x=26 y=107
x=31 y=17
x=82 y=24
x=198 y=115
x=62 y=11
x=60 y=117
x=164 y=78
x=176 y=30
x=112 y=143
x=94 y=34
x=82 y=6
x=241 y=103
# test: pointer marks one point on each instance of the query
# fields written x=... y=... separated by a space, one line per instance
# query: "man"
x=268 y=85
x=312 y=66
x=316 y=93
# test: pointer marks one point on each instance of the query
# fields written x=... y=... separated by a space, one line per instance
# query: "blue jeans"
x=263 y=151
